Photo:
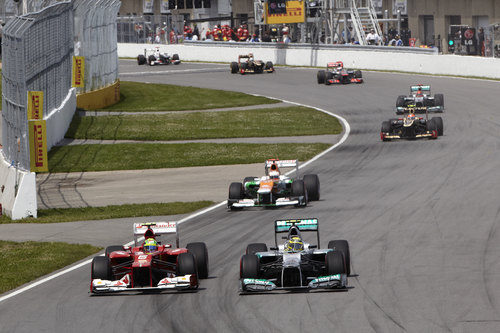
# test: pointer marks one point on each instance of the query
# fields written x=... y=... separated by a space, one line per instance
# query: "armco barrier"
x=404 y=59
x=99 y=99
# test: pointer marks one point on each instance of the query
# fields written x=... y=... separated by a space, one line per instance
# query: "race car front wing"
x=338 y=281
x=124 y=284
x=243 y=203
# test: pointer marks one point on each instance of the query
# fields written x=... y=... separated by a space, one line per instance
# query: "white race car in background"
x=154 y=57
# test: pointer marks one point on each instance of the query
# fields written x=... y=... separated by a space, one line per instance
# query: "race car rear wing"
x=304 y=225
x=282 y=164
x=158 y=228
x=426 y=88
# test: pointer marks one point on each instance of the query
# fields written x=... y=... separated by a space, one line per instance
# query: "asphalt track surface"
x=421 y=218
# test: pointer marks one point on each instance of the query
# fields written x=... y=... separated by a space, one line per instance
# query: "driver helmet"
x=150 y=245
x=274 y=175
x=294 y=244
x=411 y=116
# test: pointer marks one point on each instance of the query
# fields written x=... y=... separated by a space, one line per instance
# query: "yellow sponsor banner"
x=38 y=146
x=35 y=105
x=294 y=14
x=78 y=72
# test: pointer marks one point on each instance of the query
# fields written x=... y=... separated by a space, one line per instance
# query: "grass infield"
x=82 y=158
x=285 y=121
x=136 y=96
x=26 y=261
x=110 y=212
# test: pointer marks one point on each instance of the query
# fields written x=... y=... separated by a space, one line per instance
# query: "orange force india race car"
x=247 y=64
x=274 y=189
x=335 y=73
x=151 y=265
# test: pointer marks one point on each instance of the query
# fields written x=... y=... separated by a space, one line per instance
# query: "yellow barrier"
x=99 y=99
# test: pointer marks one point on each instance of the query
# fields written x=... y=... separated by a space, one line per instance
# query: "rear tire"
x=151 y=59
x=269 y=65
x=243 y=68
x=186 y=264
x=335 y=263
x=342 y=246
x=100 y=268
x=113 y=248
x=234 y=67
x=141 y=60
x=439 y=125
x=249 y=267
x=312 y=186
x=175 y=57
x=321 y=77
x=328 y=76
x=200 y=253
x=256 y=247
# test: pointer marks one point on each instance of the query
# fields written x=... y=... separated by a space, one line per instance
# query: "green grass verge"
x=137 y=96
x=26 y=261
x=296 y=120
x=153 y=156
x=110 y=212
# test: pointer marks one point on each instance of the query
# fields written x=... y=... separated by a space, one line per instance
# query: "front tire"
x=400 y=102
x=343 y=247
x=299 y=190
x=100 y=268
x=186 y=264
x=439 y=100
x=334 y=263
x=357 y=74
x=200 y=253
x=312 y=186
x=113 y=248
x=249 y=266
x=141 y=59
x=234 y=67
x=439 y=124
x=321 y=77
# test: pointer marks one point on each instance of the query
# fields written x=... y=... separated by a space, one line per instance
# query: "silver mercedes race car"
x=295 y=264
x=420 y=100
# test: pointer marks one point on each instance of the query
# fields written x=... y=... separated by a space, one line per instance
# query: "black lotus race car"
x=411 y=127
x=154 y=57
x=335 y=73
x=247 y=64
x=295 y=264
x=420 y=100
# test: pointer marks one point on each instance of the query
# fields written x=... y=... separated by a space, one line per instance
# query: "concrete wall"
x=58 y=120
x=17 y=191
x=403 y=59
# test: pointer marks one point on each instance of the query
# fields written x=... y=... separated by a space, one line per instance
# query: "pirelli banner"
x=77 y=79
x=294 y=13
x=38 y=146
x=37 y=132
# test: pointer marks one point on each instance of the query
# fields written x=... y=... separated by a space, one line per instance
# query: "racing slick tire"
x=432 y=126
x=141 y=59
x=236 y=191
x=438 y=100
x=439 y=124
x=113 y=248
x=400 y=102
x=312 y=186
x=249 y=266
x=234 y=67
x=100 y=268
x=335 y=263
x=357 y=74
x=243 y=68
x=428 y=102
x=386 y=128
x=270 y=66
x=175 y=57
x=186 y=264
x=299 y=189
x=321 y=77
x=151 y=59
x=342 y=246
x=200 y=253
x=256 y=247
x=328 y=76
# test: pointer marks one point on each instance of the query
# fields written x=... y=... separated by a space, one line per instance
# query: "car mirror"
x=273 y=248
x=313 y=246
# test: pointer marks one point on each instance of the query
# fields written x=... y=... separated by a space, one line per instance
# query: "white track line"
x=209 y=209
x=180 y=71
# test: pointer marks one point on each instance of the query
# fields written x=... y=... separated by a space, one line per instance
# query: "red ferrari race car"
x=335 y=73
x=150 y=265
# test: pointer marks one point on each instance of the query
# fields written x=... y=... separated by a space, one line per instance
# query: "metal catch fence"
x=96 y=36
x=37 y=56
